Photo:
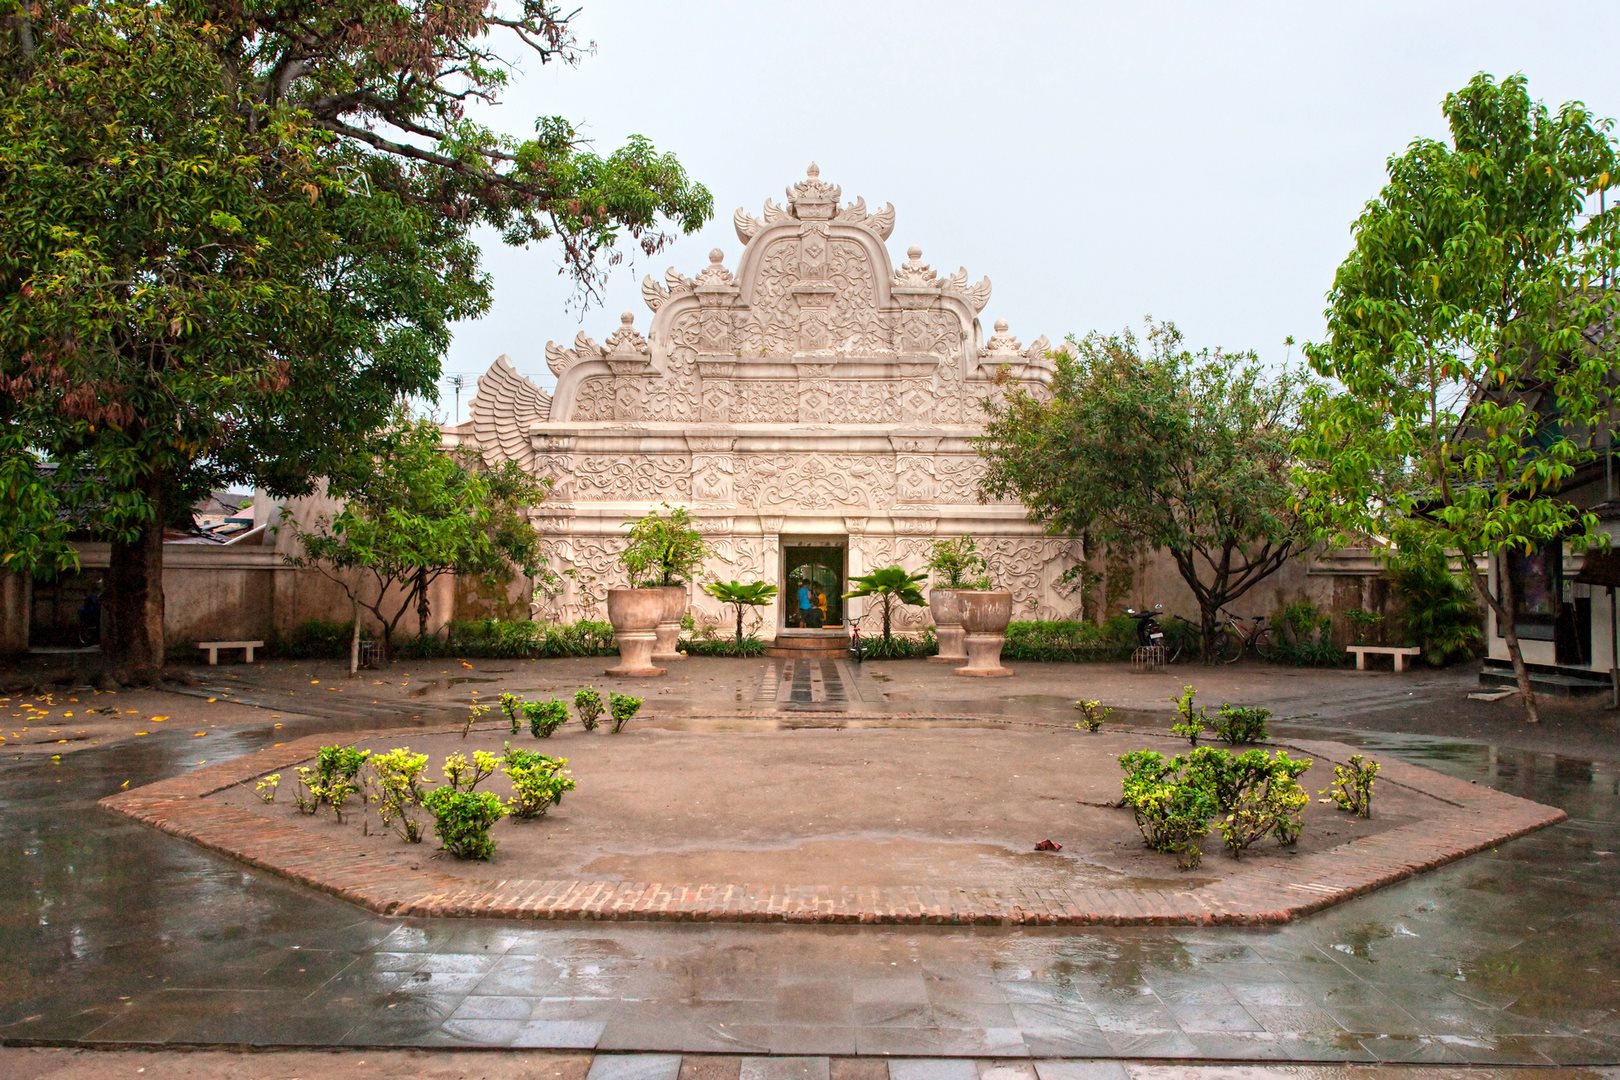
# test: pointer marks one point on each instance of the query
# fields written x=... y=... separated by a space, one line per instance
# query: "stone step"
x=825 y=645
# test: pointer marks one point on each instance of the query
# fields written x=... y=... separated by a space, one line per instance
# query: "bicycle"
x=1237 y=639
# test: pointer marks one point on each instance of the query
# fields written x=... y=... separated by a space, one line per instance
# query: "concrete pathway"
x=120 y=936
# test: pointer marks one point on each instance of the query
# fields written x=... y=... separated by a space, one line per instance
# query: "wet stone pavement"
x=116 y=934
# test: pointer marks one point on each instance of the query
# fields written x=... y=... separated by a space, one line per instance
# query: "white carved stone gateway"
x=815 y=408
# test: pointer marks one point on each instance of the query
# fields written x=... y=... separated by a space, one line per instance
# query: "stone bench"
x=212 y=649
x=1399 y=653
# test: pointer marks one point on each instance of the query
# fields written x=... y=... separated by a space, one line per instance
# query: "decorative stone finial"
x=715 y=274
x=915 y=273
x=626 y=343
x=813 y=199
x=1002 y=345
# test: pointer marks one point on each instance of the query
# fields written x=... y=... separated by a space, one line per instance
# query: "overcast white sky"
x=1200 y=162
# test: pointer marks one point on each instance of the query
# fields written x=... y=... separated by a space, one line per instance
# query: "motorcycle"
x=1148 y=630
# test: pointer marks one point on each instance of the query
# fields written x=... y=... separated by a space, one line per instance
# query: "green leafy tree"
x=891 y=585
x=740 y=596
x=233 y=236
x=1470 y=332
x=414 y=512
x=664 y=548
x=1142 y=441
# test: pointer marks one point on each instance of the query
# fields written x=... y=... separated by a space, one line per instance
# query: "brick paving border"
x=1469 y=818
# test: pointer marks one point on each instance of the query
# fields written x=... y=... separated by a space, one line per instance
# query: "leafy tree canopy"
x=233 y=236
x=1142 y=441
x=416 y=512
x=1471 y=337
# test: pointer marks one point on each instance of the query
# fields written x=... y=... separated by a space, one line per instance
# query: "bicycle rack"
x=1147 y=658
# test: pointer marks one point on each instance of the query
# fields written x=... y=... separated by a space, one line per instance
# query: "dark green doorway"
x=813 y=584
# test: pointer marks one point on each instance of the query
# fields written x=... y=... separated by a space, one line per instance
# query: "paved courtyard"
x=122 y=936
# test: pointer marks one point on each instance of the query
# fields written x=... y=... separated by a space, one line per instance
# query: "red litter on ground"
x=1047 y=845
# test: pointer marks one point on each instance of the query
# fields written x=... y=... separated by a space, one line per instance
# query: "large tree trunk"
x=421 y=603
x=1507 y=617
x=354 y=638
x=132 y=597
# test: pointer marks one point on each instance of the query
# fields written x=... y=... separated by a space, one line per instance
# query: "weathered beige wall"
x=1334 y=581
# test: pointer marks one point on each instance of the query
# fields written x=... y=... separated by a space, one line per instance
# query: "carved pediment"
x=815 y=285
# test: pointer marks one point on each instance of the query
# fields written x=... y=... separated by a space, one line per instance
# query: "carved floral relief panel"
x=771 y=328
x=814 y=481
x=617 y=477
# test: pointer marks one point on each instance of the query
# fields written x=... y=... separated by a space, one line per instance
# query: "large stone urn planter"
x=669 y=624
x=985 y=615
x=945 y=606
x=634 y=614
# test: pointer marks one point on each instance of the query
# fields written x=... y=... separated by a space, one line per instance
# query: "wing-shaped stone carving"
x=746 y=224
x=976 y=295
x=559 y=359
x=678 y=282
x=881 y=222
x=502 y=409
x=654 y=293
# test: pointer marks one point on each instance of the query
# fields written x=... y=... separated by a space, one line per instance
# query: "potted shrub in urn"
x=985 y=615
x=664 y=553
x=955 y=565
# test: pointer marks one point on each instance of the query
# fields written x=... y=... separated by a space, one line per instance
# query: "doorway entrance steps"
x=830 y=644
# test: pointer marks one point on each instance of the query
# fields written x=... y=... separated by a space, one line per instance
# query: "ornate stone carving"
x=559 y=359
x=1002 y=346
x=713 y=477
x=653 y=293
x=626 y=350
x=655 y=478
x=813 y=199
x=715 y=275
x=813 y=481
x=976 y=295
x=765 y=401
x=880 y=222
x=958 y=478
x=502 y=409
x=914 y=478
x=852 y=382
x=915 y=274
x=594 y=399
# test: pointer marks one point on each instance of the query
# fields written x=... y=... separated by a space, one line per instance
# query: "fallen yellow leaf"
x=198 y=734
x=124 y=786
x=213 y=699
x=159 y=719
x=143 y=733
